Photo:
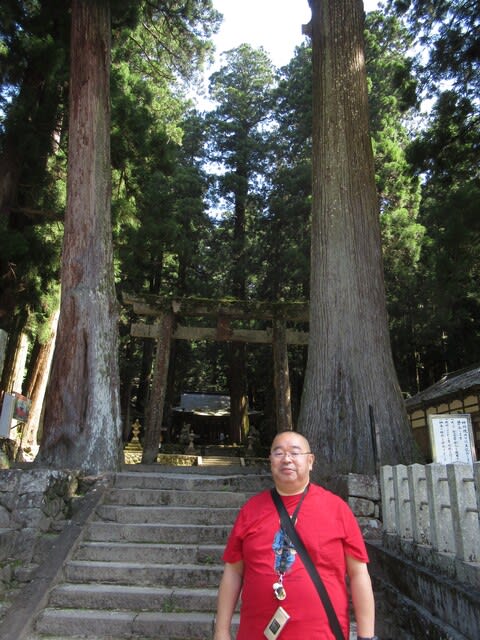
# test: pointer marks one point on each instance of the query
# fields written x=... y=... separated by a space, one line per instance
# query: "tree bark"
x=350 y=366
x=36 y=389
x=14 y=381
x=82 y=426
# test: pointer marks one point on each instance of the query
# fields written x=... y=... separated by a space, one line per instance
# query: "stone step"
x=96 y=625
x=172 y=515
x=137 y=573
x=151 y=553
x=157 y=532
x=250 y=482
x=173 y=497
x=133 y=598
x=220 y=461
x=148 y=564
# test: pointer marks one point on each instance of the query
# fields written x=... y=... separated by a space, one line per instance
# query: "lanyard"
x=278 y=589
x=285 y=557
x=294 y=515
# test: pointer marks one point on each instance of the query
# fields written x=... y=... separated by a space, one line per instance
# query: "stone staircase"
x=148 y=562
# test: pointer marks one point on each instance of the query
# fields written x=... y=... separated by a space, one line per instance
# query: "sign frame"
x=451 y=438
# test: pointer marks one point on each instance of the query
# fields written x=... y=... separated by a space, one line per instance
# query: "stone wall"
x=34 y=506
x=414 y=601
x=362 y=493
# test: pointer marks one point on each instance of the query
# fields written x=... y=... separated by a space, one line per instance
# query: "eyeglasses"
x=293 y=454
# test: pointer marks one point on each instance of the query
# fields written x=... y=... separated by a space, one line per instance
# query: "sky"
x=274 y=24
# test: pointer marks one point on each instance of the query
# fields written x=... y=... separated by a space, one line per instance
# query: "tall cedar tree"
x=82 y=412
x=350 y=378
x=242 y=88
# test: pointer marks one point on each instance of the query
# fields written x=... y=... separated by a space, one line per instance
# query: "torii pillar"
x=153 y=421
x=281 y=377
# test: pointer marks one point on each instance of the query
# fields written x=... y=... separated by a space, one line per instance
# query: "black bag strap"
x=297 y=542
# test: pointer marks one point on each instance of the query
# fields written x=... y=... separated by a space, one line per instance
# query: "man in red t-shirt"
x=262 y=565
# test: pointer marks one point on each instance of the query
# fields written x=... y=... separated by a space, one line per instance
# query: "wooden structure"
x=163 y=320
x=456 y=392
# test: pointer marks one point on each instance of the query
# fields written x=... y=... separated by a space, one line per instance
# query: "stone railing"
x=431 y=512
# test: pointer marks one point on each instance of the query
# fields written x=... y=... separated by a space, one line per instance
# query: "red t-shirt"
x=329 y=531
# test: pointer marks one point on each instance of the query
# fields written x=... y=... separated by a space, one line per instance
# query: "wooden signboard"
x=22 y=408
x=451 y=437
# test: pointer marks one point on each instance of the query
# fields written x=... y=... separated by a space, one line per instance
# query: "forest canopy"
x=217 y=203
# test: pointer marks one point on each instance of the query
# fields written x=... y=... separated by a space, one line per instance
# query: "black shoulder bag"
x=297 y=542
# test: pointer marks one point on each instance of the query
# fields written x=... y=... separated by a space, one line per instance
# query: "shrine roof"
x=451 y=384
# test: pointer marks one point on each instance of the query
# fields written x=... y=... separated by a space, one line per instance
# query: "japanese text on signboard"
x=452 y=438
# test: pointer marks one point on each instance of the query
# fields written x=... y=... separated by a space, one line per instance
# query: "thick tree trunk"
x=350 y=373
x=14 y=370
x=82 y=410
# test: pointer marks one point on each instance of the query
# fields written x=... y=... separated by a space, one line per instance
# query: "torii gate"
x=165 y=328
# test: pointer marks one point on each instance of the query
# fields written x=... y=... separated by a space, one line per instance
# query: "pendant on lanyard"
x=279 y=589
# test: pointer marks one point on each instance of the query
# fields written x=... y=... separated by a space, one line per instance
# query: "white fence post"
x=419 y=508
x=476 y=480
x=441 y=531
x=388 y=499
x=403 y=515
x=464 y=511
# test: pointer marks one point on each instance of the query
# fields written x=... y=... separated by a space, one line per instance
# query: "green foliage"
x=33 y=79
x=165 y=39
x=242 y=91
x=285 y=227
x=293 y=109
x=32 y=256
x=448 y=32
x=238 y=141
x=444 y=156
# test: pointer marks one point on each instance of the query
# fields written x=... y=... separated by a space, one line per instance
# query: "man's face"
x=291 y=462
